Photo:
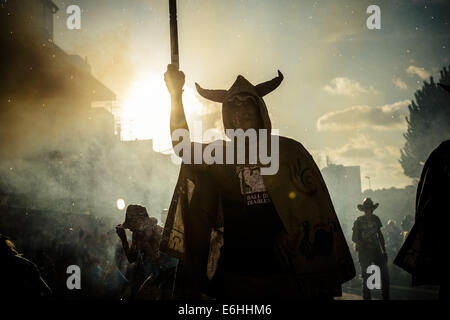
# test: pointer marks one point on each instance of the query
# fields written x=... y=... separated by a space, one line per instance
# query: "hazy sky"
x=346 y=88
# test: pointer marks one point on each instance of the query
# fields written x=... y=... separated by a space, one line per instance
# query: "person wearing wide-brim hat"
x=368 y=205
x=370 y=246
x=144 y=248
x=137 y=218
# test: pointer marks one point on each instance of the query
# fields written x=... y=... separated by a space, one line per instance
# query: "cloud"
x=347 y=87
x=399 y=83
x=378 y=161
x=387 y=117
x=361 y=147
x=419 y=71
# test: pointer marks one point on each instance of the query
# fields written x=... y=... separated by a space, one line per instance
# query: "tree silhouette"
x=428 y=124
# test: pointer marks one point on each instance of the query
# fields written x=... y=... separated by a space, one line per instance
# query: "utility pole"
x=368 y=178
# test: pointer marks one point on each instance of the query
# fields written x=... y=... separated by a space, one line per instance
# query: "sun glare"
x=120 y=204
x=146 y=112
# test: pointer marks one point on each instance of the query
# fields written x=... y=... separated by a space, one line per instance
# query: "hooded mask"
x=243 y=87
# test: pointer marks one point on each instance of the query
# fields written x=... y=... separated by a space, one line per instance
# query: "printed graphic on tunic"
x=252 y=185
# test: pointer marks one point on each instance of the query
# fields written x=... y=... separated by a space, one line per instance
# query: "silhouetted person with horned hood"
x=424 y=252
x=240 y=229
x=370 y=245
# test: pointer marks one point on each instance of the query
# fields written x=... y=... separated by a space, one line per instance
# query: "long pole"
x=174 y=57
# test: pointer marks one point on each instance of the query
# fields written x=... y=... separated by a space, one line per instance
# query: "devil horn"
x=213 y=95
x=268 y=86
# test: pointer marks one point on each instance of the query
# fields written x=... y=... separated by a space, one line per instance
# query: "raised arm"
x=175 y=81
x=129 y=252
